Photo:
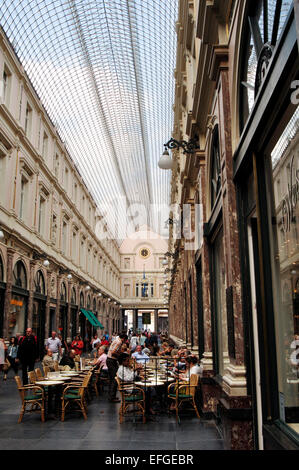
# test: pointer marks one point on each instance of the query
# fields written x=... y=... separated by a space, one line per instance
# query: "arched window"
x=19 y=275
x=73 y=296
x=263 y=26
x=88 y=302
x=63 y=292
x=39 y=283
x=1 y=270
x=94 y=307
x=215 y=167
x=81 y=300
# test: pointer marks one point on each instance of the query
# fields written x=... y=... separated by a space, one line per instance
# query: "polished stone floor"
x=101 y=431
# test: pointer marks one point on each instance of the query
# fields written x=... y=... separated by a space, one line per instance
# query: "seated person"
x=104 y=341
x=48 y=360
x=68 y=361
x=146 y=351
x=139 y=356
x=100 y=362
x=125 y=372
x=192 y=367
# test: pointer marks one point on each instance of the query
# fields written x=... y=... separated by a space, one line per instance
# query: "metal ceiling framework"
x=103 y=70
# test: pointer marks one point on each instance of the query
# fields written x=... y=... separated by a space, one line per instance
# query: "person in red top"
x=77 y=345
x=104 y=341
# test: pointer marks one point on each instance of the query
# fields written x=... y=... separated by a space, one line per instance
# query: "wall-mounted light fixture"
x=166 y=162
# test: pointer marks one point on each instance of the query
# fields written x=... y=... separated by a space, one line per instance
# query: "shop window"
x=63 y=295
x=17 y=315
x=39 y=283
x=264 y=23
x=285 y=253
x=19 y=275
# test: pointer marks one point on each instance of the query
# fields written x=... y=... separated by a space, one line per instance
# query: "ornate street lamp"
x=166 y=162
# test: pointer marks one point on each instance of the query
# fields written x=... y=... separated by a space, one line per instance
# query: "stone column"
x=58 y=279
x=135 y=319
x=31 y=293
x=8 y=291
x=68 y=322
x=156 y=320
x=47 y=310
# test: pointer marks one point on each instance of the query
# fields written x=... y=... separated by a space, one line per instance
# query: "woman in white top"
x=192 y=367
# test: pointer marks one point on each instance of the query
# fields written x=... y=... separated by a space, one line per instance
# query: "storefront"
x=266 y=172
x=17 y=315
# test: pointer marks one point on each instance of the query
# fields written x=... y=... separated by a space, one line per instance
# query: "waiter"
x=112 y=364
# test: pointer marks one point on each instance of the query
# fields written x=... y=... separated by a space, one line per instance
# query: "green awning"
x=92 y=318
x=96 y=321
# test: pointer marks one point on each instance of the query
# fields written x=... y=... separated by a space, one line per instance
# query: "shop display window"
x=285 y=245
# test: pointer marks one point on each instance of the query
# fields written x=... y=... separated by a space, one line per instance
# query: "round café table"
x=49 y=394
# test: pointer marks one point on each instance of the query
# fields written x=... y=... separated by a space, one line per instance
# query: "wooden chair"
x=38 y=374
x=184 y=393
x=56 y=366
x=31 y=395
x=46 y=370
x=131 y=396
x=75 y=394
x=32 y=377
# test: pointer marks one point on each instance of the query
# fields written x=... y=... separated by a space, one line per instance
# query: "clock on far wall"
x=144 y=252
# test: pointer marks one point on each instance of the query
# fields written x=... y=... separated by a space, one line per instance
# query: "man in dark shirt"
x=27 y=353
x=68 y=359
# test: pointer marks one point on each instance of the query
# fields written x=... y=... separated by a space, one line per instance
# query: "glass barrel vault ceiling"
x=103 y=70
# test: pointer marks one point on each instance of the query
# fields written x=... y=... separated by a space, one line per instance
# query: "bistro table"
x=49 y=392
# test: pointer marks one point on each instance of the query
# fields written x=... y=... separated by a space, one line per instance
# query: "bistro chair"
x=131 y=395
x=38 y=374
x=31 y=395
x=46 y=370
x=184 y=394
x=32 y=377
x=100 y=381
x=56 y=366
x=74 y=394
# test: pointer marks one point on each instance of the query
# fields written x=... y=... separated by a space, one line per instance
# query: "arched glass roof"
x=103 y=70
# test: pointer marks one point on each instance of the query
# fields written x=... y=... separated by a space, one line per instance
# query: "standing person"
x=27 y=353
x=54 y=344
x=2 y=355
x=112 y=364
x=12 y=354
x=134 y=342
x=95 y=340
x=78 y=345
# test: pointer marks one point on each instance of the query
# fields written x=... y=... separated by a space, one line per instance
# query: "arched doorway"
x=38 y=310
